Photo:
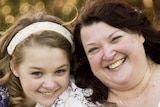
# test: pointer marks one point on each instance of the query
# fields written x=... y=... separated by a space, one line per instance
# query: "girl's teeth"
x=46 y=93
x=118 y=63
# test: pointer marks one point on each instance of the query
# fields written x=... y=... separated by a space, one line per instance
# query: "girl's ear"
x=142 y=38
x=13 y=69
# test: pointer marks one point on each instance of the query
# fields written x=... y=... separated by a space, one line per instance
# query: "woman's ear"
x=13 y=69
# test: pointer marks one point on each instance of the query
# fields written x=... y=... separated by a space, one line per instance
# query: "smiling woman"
x=117 y=48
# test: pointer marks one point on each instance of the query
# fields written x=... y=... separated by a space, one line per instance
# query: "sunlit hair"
x=43 y=38
x=119 y=14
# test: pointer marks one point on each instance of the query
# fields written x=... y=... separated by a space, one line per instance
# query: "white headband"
x=35 y=27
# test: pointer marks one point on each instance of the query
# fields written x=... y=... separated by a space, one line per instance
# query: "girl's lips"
x=116 y=64
x=48 y=93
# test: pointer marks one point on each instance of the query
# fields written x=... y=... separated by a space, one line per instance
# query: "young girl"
x=36 y=58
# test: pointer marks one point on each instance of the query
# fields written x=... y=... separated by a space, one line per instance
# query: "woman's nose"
x=108 y=53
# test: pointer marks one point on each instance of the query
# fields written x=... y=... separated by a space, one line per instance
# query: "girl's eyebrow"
x=35 y=68
x=64 y=65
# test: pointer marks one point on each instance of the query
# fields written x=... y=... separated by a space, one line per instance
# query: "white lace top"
x=159 y=104
x=73 y=97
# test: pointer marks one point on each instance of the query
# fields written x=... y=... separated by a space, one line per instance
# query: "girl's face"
x=44 y=74
x=117 y=58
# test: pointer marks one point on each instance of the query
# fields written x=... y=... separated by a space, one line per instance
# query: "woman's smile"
x=116 y=64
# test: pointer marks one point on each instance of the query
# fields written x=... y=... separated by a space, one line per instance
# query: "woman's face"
x=117 y=58
x=44 y=74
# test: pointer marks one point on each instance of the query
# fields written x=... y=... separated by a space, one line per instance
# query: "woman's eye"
x=92 y=50
x=115 y=39
x=37 y=73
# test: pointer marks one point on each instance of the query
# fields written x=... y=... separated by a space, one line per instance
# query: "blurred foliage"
x=10 y=10
x=150 y=7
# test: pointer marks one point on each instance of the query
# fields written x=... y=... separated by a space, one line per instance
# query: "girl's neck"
x=30 y=103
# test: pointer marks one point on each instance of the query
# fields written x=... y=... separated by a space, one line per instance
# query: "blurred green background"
x=10 y=10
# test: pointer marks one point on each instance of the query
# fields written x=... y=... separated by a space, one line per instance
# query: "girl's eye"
x=37 y=73
x=60 y=72
x=115 y=39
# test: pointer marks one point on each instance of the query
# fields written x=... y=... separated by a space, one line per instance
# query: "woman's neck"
x=136 y=92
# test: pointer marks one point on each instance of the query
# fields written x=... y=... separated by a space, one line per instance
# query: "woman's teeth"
x=116 y=64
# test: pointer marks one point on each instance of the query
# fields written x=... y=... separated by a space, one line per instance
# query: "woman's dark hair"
x=119 y=14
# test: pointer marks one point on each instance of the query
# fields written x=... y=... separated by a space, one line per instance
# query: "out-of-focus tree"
x=150 y=7
x=156 y=4
x=65 y=9
x=10 y=10
x=137 y=3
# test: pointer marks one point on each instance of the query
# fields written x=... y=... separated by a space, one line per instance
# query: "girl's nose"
x=49 y=83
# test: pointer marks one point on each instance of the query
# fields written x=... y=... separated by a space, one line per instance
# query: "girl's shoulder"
x=79 y=97
x=75 y=97
x=3 y=96
x=79 y=91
